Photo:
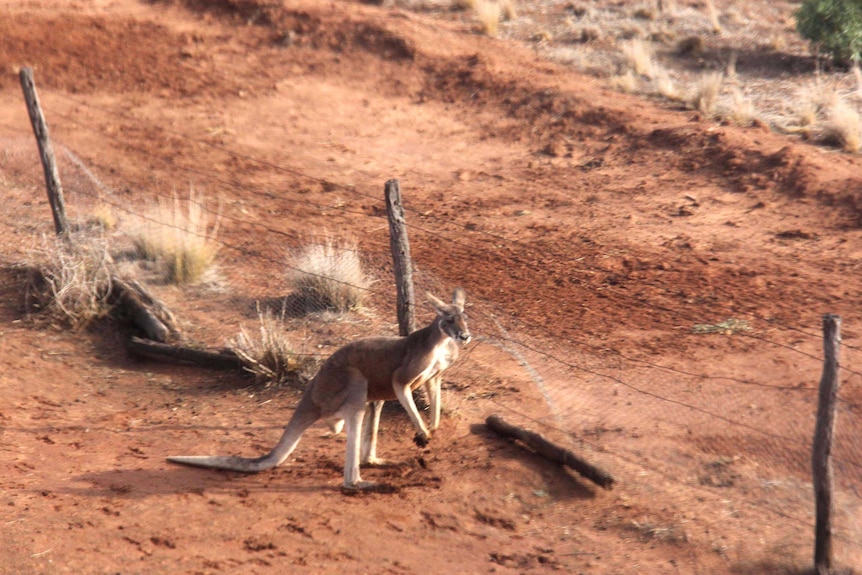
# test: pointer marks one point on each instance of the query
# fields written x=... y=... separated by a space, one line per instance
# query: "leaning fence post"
x=821 y=452
x=46 y=152
x=400 y=247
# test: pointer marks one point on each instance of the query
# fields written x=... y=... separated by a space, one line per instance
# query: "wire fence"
x=719 y=433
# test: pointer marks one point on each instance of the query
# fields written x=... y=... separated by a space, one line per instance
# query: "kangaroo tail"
x=305 y=415
x=227 y=462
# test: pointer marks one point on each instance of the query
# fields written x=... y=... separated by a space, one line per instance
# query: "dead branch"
x=220 y=359
x=551 y=451
x=140 y=308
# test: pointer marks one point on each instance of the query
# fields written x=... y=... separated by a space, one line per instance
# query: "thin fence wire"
x=671 y=431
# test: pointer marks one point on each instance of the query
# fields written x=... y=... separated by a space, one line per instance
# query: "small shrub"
x=810 y=102
x=328 y=275
x=626 y=82
x=507 y=7
x=488 y=13
x=179 y=238
x=712 y=15
x=71 y=281
x=665 y=86
x=843 y=126
x=638 y=56
x=705 y=96
x=834 y=27
x=741 y=110
x=103 y=217
x=269 y=356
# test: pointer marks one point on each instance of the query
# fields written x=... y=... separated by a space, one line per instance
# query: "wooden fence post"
x=46 y=152
x=400 y=247
x=821 y=452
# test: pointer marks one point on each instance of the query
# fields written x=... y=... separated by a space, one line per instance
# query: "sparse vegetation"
x=665 y=86
x=269 y=355
x=834 y=27
x=488 y=13
x=507 y=7
x=712 y=15
x=639 y=57
x=71 y=278
x=842 y=126
x=741 y=109
x=179 y=236
x=726 y=327
x=704 y=97
x=626 y=82
x=103 y=217
x=328 y=275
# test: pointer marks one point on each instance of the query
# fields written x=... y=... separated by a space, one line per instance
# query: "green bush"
x=833 y=26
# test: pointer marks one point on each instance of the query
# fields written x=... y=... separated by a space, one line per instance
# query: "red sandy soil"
x=595 y=227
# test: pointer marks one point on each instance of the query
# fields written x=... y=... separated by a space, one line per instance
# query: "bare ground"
x=594 y=227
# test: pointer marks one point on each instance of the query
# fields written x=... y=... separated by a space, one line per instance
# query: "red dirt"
x=596 y=227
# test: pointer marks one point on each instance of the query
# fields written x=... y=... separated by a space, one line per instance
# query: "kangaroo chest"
x=442 y=357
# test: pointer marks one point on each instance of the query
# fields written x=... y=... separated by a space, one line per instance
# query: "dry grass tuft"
x=666 y=87
x=328 y=275
x=741 y=110
x=269 y=355
x=179 y=236
x=488 y=13
x=842 y=126
x=626 y=82
x=638 y=56
x=712 y=15
x=103 y=217
x=507 y=7
x=704 y=98
x=71 y=279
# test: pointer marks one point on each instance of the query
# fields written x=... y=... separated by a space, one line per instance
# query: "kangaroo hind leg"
x=369 y=435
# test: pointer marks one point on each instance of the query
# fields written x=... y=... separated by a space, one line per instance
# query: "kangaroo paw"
x=420 y=439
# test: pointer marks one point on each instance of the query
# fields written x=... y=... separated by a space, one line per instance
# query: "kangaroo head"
x=452 y=319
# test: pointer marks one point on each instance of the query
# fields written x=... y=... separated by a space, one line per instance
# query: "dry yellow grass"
x=842 y=126
x=704 y=97
x=713 y=16
x=180 y=236
x=507 y=7
x=626 y=82
x=741 y=109
x=328 y=275
x=665 y=86
x=488 y=14
x=71 y=281
x=269 y=355
x=638 y=56
x=103 y=216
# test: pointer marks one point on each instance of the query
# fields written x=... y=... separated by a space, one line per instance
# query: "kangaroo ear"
x=459 y=297
x=438 y=305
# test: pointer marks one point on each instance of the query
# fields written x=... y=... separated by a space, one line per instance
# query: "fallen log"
x=219 y=359
x=551 y=451
x=137 y=306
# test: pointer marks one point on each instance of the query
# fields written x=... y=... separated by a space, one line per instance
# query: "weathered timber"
x=821 y=451
x=400 y=247
x=139 y=308
x=46 y=151
x=551 y=451
x=218 y=359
